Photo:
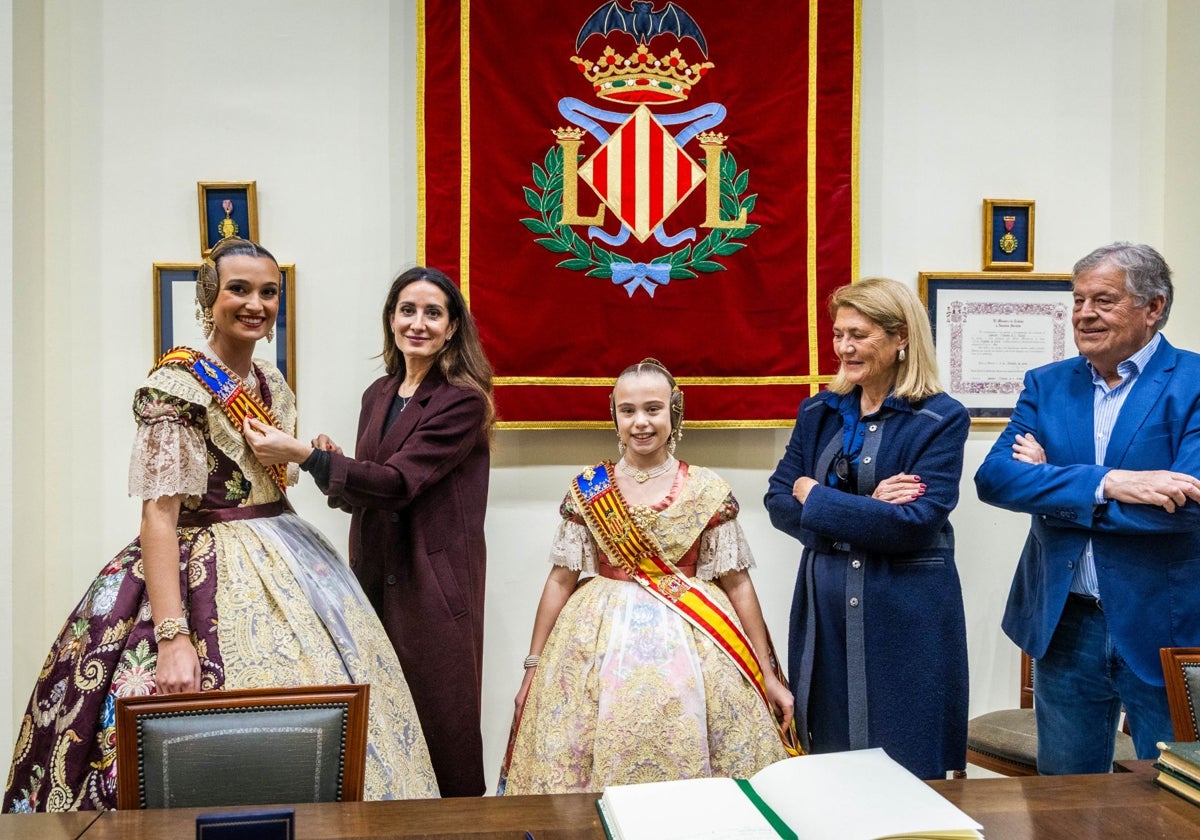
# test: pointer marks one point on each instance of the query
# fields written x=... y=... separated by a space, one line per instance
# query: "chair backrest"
x=1026 y=681
x=1181 y=670
x=254 y=746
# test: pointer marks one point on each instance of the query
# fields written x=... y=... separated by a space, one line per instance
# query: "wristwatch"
x=169 y=628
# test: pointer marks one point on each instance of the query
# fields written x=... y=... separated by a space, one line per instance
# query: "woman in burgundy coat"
x=417 y=491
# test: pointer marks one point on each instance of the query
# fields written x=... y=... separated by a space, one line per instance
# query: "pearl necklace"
x=642 y=476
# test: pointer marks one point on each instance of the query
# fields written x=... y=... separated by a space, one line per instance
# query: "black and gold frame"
x=175 y=315
x=990 y=328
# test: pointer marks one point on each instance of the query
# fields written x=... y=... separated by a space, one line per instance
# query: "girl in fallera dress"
x=621 y=686
x=225 y=587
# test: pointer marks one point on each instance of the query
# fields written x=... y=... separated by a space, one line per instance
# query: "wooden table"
x=564 y=817
x=1120 y=806
x=47 y=826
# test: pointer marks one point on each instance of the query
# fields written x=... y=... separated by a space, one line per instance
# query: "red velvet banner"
x=610 y=181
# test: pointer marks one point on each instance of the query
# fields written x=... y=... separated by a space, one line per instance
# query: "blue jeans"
x=1079 y=688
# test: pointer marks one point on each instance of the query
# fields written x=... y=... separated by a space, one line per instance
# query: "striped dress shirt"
x=1106 y=408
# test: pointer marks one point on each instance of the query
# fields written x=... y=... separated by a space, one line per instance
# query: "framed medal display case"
x=227 y=208
x=1007 y=234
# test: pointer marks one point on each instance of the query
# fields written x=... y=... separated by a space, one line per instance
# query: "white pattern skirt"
x=627 y=691
x=292 y=612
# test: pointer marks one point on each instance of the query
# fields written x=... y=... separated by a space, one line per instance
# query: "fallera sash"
x=235 y=401
x=609 y=520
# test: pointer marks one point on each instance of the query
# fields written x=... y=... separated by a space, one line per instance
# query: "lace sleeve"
x=573 y=547
x=169 y=457
x=723 y=549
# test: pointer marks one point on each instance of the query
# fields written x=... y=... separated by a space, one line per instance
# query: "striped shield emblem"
x=641 y=174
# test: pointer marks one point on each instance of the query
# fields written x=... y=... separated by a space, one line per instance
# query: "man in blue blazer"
x=1103 y=451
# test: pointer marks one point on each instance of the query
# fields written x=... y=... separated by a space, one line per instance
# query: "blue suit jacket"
x=1147 y=560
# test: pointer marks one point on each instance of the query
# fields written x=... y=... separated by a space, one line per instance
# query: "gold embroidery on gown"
x=270 y=602
x=626 y=691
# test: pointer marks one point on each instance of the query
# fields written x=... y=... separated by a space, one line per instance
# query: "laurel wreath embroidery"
x=546 y=197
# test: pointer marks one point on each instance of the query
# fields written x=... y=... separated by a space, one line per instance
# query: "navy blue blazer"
x=1147 y=560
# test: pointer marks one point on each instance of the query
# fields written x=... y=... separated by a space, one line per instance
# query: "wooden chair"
x=1181 y=670
x=242 y=747
x=1005 y=741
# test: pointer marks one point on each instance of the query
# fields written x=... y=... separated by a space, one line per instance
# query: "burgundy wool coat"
x=417 y=494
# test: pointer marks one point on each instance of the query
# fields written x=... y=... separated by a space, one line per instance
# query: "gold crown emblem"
x=642 y=77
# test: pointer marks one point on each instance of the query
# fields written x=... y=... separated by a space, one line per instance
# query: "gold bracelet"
x=531 y=660
x=169 y=628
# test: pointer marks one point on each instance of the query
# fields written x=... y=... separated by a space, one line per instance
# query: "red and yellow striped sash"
x=607 y=516
x=235 y=401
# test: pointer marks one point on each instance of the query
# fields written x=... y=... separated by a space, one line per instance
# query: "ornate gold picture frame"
x=1007 y=234
x=989 y=329
x=227 y=208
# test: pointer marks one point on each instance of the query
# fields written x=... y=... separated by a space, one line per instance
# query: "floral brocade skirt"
x=626 y=691
x=270 y=603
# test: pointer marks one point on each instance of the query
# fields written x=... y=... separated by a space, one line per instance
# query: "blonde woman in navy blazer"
x=877 y=652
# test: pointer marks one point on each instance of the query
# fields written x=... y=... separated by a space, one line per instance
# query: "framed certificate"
x=175 y=315
x=989 y=330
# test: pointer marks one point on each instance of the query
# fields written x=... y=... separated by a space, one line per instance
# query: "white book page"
x=690 y=809
x=856 y=795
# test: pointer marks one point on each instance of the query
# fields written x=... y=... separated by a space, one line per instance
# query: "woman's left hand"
x=899 y=489
x=781 y=699
x=272 y=446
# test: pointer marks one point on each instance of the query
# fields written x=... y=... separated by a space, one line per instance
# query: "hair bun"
x=207 y=284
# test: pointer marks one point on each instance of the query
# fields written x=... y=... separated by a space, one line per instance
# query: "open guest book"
x=857 y=795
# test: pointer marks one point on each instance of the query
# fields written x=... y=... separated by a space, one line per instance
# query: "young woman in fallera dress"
x=225 y=586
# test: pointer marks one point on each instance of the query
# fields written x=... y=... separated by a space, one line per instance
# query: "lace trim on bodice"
x=173 y=412
x=723 y=549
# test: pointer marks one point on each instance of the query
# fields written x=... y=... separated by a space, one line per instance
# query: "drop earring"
x=673 y=440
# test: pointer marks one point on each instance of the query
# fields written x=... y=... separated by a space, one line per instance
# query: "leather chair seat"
x=1010 y=735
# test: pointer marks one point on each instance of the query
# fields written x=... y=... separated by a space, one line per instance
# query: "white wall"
x=1086 y=106
x=7 y=626
x=1182 y=109
x=26 y=577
